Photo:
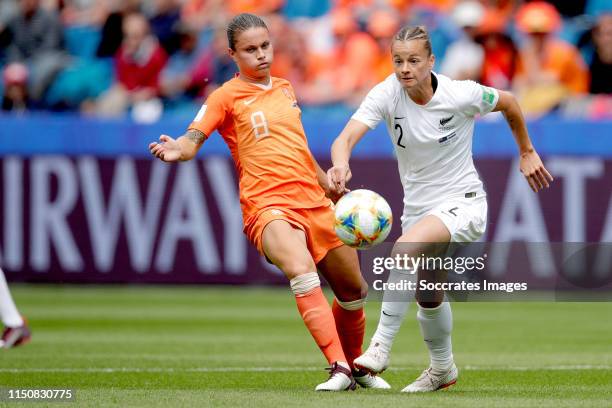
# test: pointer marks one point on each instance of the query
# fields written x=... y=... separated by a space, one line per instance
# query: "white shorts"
x=465 y=218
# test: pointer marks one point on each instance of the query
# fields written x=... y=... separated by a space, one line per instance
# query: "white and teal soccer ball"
x=363 y=219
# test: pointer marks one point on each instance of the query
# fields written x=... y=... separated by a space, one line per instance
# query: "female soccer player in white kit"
x=430 y=119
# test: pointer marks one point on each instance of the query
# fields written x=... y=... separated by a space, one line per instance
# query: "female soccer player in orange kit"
x=283 y=197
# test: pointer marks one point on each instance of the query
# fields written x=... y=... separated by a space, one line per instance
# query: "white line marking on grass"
x=551 y=368
x=158 y=370
x=280 y=369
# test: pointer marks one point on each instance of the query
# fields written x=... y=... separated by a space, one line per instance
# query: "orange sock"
x=319 y=320
x=350 y=325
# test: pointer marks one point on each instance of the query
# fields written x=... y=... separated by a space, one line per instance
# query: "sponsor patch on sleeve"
x=488 y=95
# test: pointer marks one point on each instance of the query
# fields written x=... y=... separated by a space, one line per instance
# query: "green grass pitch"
x=202 y=346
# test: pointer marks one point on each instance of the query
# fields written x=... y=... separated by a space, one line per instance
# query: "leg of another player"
x=340 y=267
x=434 y=315
x=286 y=247
x=16 y=331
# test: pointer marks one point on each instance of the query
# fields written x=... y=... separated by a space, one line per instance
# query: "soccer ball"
x=363 y=219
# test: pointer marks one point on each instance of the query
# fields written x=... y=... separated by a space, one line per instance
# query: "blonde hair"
x=409 y=33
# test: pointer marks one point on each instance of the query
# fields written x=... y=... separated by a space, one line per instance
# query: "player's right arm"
x=210 y=117
x=184 y=148
x=371 y=111
x=341 y=150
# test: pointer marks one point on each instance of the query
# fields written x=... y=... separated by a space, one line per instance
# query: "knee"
x=364 y=290
x=351 y=293
x=296 y=268
x=429 y=305
x=403 y=248
x=429 y=299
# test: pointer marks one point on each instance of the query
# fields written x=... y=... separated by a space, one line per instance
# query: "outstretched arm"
x=182 y=149
x=530 y=163
x=341 y=150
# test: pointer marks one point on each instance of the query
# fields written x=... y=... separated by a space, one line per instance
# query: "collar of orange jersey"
x=264 y=87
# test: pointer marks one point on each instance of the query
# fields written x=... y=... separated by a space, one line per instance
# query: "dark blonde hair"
x=241 y=23
x=409 y=33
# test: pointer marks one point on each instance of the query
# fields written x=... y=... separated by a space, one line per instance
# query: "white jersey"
x=433 y=142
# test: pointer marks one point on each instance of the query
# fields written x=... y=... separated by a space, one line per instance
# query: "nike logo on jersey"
x=398 y=118
x=444 y=121
x=250 y=101
x=387 y=314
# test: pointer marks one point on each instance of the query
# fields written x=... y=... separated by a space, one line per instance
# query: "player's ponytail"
x=240 y=23
x=409 y=33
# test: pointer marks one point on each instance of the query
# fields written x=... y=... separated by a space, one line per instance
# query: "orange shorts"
x=317 y=224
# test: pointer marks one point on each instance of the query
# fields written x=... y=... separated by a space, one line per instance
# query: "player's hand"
x=534 y=171
x=168 y=149
x=333 y=195
x=337 y=178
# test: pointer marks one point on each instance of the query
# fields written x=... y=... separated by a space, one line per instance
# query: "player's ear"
x=432 y=61
x=231 y=52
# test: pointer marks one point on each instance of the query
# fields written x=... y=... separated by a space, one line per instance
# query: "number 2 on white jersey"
x=260 y=124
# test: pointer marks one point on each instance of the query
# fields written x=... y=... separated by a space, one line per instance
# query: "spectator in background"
x=138 y=65
x=290 y=54
x=382 y=26
x=551 y=70
x=15 y=96
x=83 y=12
x=501 y=58
x=464 y=58
x=601 y=65
x=214 y=65
x=260 y=7
x=346 y=73
x=502 y=8
x=182 y=75
x=200 y=14
x=112 y=30
x=164 y=23
x=34 y=39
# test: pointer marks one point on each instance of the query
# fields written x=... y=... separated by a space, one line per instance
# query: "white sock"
x=436 y=326
x=8 y=311
x=394 y=307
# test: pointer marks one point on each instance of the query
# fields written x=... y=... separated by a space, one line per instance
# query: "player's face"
x=412 y=62
x=253 y=53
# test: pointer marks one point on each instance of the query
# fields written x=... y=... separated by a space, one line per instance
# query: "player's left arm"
x=530 y=163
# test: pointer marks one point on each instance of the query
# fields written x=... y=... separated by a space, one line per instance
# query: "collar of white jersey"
x=434 y=77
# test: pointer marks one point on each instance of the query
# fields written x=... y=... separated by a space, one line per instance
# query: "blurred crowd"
x=149 y=57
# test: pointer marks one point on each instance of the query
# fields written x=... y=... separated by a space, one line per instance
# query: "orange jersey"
x=264 y=132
